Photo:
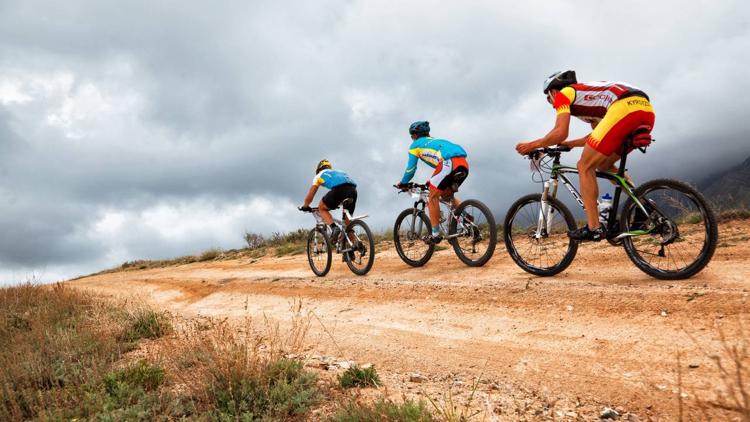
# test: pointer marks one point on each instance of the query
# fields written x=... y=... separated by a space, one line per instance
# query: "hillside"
x=601 y=334
x=730 y=189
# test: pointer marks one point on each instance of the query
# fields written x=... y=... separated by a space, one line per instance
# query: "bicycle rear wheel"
x=536 y=236
x=361 y=258
x=682 y=230
x=319 y=251
x=477 y=233
x=411 y=227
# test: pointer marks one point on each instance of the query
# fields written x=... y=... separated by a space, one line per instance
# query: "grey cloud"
x=181 y=105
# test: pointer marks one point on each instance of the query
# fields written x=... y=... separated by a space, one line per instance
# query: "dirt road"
x=600 y=334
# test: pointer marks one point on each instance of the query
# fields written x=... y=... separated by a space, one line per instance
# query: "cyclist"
x=451 y=169
x=341 y=187
x=614 y=110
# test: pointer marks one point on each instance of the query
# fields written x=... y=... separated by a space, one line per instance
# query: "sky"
x=146 y=129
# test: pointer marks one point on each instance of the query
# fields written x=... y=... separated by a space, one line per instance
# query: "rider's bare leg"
x=590 y=160
x=433 y=203
x=325 y=214
x=609 y=166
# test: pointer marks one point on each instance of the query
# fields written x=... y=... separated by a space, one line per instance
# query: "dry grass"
x=732 y=363
x=65 y=355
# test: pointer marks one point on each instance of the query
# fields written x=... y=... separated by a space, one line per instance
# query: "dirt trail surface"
x=600 y=334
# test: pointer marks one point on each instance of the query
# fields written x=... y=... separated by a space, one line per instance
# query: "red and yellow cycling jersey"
x=590 y=101
x=615 y=109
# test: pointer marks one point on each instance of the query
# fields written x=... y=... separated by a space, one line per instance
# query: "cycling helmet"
x=419 y=128
x=560 y=80
x=322 y=165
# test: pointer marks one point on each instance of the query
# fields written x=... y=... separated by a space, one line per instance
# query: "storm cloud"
x=148 y=130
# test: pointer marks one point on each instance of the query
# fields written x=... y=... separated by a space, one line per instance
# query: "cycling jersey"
x=590 y=101
x=330 y=178
x=432 y=151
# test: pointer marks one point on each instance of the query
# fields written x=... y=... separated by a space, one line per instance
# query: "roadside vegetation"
x=66 y=355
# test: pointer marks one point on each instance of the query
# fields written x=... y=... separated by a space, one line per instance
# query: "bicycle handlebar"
x=556 y=150
x=309 y=209
x=410 y=186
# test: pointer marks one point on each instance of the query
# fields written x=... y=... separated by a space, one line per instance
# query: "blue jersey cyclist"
x=341 y=186
x=451 y=168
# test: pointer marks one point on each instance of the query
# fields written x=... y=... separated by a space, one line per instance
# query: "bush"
x=359 y=377
x=258 y=390
x=146 y=323
x=209 y=255
x=383 y=411
x=141 y=374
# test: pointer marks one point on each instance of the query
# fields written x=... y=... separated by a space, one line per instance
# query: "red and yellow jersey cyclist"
x=451 y=169
x=614 y=110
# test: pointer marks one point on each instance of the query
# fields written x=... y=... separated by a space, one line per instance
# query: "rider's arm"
x=557 y=134
x=411 y=168
x=576 y=142
x=310 y=195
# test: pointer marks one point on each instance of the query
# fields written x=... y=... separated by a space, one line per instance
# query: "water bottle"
x=605 y=204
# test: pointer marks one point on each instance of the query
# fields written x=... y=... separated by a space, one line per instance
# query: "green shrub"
x=383 y=411
x=146 y=323
x=251 y=391
x=359 y=377
x=209 y=255
x=141 y=374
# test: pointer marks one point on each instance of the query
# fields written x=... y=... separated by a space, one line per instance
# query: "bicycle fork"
x=544 y=223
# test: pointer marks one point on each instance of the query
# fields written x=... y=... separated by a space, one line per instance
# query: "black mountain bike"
x=469 y=228
x=354 y=241
x=667 y=228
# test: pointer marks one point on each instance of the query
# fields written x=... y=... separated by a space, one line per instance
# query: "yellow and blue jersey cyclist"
x=451 y=169
x=330 y=178
x=432 y=151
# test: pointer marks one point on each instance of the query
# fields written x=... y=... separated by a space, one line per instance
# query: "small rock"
x=609 y=413
x=663 y=312
x=569 y=308
x=417 y=378
x=345 y=364
x=694 y=365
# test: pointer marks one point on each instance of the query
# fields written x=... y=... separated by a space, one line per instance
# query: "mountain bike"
x=667 y=228
x=354 y=241
x=469 y=228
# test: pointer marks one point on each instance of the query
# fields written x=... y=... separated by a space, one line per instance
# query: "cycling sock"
x=435 y=231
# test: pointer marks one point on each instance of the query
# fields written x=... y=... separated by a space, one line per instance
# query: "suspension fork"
x=544 y=223
x=416 y=220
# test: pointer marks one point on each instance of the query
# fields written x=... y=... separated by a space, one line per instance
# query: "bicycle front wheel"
x=677 y=236
x=473 y=226
x=362 y=255
x=319 y=251
x=536 y=235
x=411 y=227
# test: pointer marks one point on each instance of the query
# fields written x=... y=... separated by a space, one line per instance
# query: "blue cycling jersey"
x=330 y=178
x=432 y=151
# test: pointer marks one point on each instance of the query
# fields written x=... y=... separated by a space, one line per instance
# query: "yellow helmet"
x=323 y=164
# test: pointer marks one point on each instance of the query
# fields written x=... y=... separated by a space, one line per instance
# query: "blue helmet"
x=419 y=128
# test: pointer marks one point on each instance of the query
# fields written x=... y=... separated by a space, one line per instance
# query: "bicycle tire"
x=708 y=218
x=370 y=245
x=397 y=240
x=310 y=241
x=513 y=251
x=492 y=233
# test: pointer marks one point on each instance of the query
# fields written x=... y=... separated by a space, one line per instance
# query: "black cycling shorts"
x=338 y=194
